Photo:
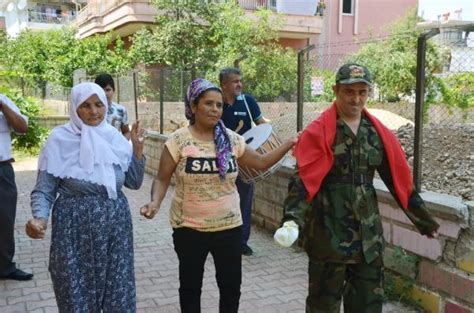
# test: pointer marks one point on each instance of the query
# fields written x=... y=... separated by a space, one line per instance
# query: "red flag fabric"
x=315 y=158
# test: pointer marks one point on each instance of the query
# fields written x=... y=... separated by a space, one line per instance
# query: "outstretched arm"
x=258 y=161
x=160 y=184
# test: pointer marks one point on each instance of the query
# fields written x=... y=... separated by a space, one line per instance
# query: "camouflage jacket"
x=342 y=223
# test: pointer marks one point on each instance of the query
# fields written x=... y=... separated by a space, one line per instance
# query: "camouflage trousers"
x=360 y=285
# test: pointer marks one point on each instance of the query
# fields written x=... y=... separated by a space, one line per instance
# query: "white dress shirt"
x=5 y=130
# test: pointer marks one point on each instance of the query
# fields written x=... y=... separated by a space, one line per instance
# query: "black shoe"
x=18 y=275
x=246 y=250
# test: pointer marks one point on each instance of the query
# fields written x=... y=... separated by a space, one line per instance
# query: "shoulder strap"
x=252 y=123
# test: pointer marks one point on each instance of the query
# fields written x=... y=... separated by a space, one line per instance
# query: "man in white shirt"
x=10 y=119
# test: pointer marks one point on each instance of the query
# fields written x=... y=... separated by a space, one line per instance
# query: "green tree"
x=60 y=64
x=145 y=49
x=26 y=57
x=36 y=134
x=183 y=34
x=458 y=91
x=101 y=54
x=52 y=56
x=393 y=61
x=207 y=37
x=269 y=69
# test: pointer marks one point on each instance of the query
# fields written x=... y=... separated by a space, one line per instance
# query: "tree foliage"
x=208 y=37
x=52 y=56
x=36 y=134
x=458 y=90
x=392 y=62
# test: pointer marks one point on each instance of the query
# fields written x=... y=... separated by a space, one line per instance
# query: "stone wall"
x=444 y=270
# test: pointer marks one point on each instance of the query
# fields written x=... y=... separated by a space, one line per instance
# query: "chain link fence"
x=53 y=98
x=156 y=97
x=447 y=151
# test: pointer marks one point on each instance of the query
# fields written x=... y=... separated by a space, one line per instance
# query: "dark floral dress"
x=91 y=256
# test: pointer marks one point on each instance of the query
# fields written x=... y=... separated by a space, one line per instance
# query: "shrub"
x=36 y=135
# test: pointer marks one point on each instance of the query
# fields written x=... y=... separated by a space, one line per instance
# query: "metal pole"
x=419 y=103
x=162 y=97
x=135 y=94
x=300 y=88
x=117 y=87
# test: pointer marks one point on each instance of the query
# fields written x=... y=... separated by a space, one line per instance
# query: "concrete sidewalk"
x=274 y=278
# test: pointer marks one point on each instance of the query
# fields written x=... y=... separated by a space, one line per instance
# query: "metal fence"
x=156 y=98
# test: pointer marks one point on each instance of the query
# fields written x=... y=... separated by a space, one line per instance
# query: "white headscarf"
x=80 y=151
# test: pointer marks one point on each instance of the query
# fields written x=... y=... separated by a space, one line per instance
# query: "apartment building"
x=18 y=15
x=347 y=23
x=124 y=17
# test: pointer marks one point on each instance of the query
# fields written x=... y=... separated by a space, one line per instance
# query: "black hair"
x=105 y=79
x=226 y=72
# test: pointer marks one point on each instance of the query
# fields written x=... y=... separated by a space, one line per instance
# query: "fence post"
x=300 y=88
x=117 y=88
x=135 y=94
x=162 y=98
x=419 y=103
x=22 y=87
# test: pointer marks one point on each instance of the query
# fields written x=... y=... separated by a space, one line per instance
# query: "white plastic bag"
x=286 y=235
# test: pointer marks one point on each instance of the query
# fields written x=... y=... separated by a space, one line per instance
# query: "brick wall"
x=445 y=272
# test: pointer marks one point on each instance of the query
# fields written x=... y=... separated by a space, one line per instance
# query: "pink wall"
x=373 y=18
x=293 y=43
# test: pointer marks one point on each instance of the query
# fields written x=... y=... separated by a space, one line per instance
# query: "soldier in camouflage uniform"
x=341 y=226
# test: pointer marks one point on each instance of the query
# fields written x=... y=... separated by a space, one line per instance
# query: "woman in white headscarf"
x=81 y=171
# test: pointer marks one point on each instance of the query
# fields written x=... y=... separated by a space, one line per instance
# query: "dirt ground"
x=448 y=158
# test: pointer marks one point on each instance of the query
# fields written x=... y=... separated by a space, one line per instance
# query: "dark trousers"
x=192 y=248
x=8 y=198
x=360 y=285
x=246 y=196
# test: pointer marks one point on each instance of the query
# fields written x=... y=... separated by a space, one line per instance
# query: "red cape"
x=314 y=155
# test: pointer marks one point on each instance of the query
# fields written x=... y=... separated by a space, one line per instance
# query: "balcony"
x=49 y=18
x=124 y=17
x=47 y=21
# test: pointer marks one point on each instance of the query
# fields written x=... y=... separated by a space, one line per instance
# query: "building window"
x=348 y=7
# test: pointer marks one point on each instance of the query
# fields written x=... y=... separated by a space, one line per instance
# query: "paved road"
x=274 y=279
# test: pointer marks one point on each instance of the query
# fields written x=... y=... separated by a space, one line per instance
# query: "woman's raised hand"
x=36 y=228
x=149 y=210
x=137 y=136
